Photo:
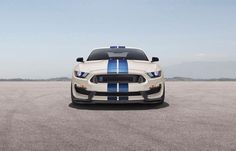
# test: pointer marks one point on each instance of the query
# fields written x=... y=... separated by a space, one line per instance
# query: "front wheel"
x=162 y=99
x=72 y=96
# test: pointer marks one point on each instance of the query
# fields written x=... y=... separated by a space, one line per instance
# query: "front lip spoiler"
x=84 y=101
x=91 y=94
x=117 y=102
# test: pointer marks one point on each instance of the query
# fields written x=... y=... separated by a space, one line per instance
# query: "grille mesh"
x=118 y=78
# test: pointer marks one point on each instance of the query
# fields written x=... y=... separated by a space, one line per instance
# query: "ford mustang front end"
x=117 y=75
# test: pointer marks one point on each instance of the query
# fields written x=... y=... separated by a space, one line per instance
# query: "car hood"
x=132 y=65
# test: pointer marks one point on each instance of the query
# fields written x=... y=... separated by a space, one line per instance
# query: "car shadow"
x=118 y=107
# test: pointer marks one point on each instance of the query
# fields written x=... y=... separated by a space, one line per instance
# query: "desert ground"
x=39 y=116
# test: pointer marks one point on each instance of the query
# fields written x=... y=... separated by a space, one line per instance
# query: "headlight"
x=80 y=74
x=155 y=74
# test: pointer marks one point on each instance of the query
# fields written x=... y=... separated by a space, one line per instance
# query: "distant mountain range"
x=191 y=79
x=189 y=71
x=51 y=79
x=167 y=79
x=202 y=70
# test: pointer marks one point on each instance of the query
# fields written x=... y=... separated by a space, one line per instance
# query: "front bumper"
x=90 y=95
x=150 y=91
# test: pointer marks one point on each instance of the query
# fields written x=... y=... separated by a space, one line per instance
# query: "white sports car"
x=117 y=75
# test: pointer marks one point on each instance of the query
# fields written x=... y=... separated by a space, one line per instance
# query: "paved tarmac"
x=38 y=116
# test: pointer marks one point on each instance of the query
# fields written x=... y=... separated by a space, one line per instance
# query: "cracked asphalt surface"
x=196 y=116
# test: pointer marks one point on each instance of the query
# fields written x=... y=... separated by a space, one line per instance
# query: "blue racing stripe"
x=123 y=87
x=112 y=66
x=123 y=66
x=112 y=87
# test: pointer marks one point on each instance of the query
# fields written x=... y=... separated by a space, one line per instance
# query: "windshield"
x=127 y=53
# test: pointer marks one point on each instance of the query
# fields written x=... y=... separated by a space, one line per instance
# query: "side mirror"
x=155 y=59
x=81 y=59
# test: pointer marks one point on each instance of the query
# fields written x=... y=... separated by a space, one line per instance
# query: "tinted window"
x=127 y=53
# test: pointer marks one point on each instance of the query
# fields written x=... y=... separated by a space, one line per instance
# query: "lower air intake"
x=118 y=78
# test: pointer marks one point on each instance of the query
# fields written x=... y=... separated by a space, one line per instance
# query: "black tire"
x=162 y=99
x=72 y=96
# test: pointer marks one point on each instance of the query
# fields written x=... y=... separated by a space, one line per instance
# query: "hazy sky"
x=41 y=39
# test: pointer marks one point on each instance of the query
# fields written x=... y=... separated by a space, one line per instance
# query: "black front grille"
x=118 y=78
